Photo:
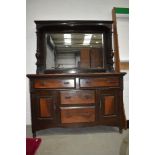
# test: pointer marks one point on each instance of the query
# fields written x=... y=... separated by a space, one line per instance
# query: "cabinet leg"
x=120 y=130
x=34 y=134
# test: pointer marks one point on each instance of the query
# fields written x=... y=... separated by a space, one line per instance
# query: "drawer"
x=98 y=82
x=54 y=83
x=77 y=115
x=77 y=97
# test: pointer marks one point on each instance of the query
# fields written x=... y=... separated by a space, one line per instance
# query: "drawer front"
x=77 y=97
x=54 y=83
x=77 y=115
x=98 y=82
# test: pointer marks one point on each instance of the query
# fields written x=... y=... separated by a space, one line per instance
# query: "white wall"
x=123 y=36
x=61 y=10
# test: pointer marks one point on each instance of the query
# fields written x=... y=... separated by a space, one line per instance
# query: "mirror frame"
x=43 y=27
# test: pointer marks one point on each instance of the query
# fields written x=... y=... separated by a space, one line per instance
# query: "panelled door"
x=44 y=109
x=108 y=106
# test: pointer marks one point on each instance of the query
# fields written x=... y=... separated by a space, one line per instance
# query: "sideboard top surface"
x=76 y=75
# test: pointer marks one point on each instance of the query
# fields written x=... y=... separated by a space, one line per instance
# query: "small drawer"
x=77 y=115
x=54 y=83
x=98 y=82
x=77 y=97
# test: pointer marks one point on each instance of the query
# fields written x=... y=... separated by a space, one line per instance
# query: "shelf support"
x=115 y=35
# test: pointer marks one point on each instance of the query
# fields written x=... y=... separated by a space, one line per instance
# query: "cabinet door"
x=43 y=108
x=108 y=106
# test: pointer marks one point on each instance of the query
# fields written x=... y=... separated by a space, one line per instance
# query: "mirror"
x=74 y=50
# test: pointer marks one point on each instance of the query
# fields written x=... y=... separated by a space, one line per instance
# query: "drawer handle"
x=68 y=97
x=87 y=97
x=66 y=82
x=88 y=82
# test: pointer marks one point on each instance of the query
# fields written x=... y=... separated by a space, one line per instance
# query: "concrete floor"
x=82 y=141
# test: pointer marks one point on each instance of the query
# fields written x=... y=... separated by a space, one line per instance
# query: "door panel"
x=46 y=107
x=43 y=106
x=108 y=103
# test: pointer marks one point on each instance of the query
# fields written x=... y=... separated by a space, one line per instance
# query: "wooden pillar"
x=115 y=40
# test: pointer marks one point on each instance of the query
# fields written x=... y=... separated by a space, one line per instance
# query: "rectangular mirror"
x=74 y=50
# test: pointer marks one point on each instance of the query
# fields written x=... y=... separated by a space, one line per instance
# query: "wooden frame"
x=73 y=27
x=115 y=38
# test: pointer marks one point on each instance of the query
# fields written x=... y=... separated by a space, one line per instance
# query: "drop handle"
x=88 y=82
x=68 y=97
x=66 y=82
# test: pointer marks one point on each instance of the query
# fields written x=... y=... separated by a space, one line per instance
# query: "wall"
x=62 y=10
x=123 y=36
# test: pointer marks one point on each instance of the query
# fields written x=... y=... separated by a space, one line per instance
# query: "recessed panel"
x=109 y=105
x=46 y=107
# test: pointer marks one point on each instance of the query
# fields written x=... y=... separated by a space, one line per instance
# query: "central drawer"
x=98 y=82
x=54 y=83
x=77 y=97
x=77 y=115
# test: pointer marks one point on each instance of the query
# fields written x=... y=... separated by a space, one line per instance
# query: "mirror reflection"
x=74 y=50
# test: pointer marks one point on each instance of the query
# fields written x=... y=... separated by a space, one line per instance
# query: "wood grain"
x=85 y=58
x=78 y=115
x=96 y=58
x=98 y=82
x=54 y=83
x=124 y=65
x=77 y=97
x=45 y=107
x=109 y=105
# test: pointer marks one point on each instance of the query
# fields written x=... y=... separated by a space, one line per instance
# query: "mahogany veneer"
x=77 y=115
x=68 y=100
x=77 y=97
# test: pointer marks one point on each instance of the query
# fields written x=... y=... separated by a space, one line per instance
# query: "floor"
x=99 y=140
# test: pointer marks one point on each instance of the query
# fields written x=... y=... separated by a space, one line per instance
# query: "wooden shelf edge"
x=124 y=65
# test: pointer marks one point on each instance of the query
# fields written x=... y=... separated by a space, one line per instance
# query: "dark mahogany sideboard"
x=73 y=100
x=76 y=83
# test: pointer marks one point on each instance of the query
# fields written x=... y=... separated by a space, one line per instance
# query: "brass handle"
x=88 y=82
x=68 y=97
x=66 y=82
